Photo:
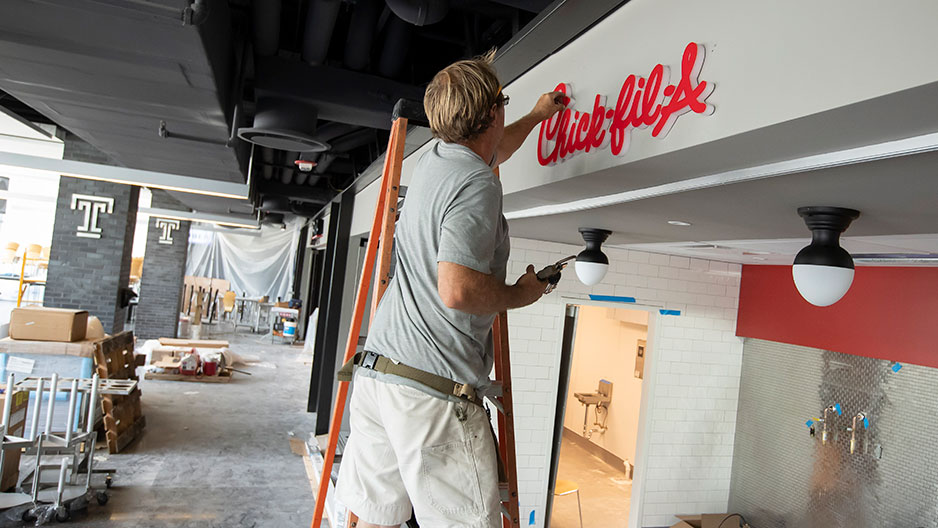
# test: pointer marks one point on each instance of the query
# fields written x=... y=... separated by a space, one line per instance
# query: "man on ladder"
x=420 y=438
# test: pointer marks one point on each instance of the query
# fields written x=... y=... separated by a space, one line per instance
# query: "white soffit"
x=96 y=171
x=209 y=218
x=890 y=149
x=782 y=251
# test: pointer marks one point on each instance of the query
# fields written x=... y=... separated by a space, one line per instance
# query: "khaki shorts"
x=409 y=449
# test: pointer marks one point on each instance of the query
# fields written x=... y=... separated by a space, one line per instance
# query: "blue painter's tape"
x=809 y=423
x=839 y=410
x=531 y=518
x=612 y=298
x=897 y=367
x=669 y=312
x=866 y=423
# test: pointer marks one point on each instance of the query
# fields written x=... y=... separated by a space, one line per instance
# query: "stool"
x=566 y=487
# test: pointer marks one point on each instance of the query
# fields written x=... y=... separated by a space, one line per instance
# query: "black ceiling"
x=165 y=85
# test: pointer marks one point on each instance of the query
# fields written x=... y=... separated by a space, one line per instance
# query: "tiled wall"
x=696 y=359
x=784 y=477
x=164 y=268
x=88 y=273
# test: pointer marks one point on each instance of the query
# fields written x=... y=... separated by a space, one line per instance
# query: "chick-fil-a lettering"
x=642 y=102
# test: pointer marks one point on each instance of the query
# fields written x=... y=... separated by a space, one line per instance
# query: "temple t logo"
x=167 y=226
x=93 y=207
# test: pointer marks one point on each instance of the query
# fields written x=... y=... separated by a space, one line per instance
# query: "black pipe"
x=420 y=12
x=324 y=161
x=361 y=34
x=353 y=140
x=394 y=52
x=320 y=21
x=266 y=22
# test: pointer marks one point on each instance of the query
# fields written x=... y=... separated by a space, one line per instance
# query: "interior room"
x=601 y=421
x=732 y=226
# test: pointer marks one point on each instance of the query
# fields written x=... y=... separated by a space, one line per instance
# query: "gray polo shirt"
x=452 y=213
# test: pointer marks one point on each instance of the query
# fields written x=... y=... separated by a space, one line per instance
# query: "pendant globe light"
x=592 y=264
x=823 y=271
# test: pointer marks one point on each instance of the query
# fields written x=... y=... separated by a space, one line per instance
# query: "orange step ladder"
x=382 y=230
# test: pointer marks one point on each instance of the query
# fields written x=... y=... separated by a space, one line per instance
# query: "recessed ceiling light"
x=679 y=223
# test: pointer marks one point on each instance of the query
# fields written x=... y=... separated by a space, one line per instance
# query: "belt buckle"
x=369 y=360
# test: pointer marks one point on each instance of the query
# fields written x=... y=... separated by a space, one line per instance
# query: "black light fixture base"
x=594 y=235
x=828 y=218
x=826 y=225
x=594 y=239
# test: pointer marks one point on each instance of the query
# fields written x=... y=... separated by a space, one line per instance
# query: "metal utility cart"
x=70 y=453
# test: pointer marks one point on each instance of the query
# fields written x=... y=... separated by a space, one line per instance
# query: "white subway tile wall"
x=697 y=361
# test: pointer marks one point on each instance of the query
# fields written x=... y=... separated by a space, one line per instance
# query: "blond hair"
x=459 y=98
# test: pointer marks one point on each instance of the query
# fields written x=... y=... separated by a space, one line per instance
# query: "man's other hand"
x=548 y=104
x=530 y=287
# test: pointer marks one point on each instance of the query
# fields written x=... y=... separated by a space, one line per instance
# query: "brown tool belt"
x=379 y=363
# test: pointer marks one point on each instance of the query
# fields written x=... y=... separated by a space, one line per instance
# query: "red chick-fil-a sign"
x=642 y=102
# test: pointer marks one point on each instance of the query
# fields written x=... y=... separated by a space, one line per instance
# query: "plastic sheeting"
x=255 y=265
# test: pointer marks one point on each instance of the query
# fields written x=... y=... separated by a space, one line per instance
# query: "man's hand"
x=529 y=287
x=548 y=104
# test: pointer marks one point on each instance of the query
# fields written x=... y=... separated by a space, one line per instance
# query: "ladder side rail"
x=506 y=426
x=398 y=131
x=395 y=158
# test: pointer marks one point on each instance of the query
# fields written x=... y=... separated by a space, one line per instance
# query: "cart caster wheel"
x=101 y=497
x=62 y=514
x=29 y=516
x=108 y=481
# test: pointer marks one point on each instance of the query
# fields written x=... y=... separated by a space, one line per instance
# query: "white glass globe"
x=821 y=285
x=590 y=273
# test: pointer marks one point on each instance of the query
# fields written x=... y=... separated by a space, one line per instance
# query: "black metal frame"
x=332 y=285
x=566 y=358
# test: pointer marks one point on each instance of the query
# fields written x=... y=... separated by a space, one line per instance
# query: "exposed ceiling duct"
x=266 y=25
x=336 y=94
x=283 y=124
x=361 y=33
x=394 y=51
x=420 y=12
x=320 y=21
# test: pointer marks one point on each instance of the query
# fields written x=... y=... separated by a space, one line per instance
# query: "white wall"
x=693 y=369
x=605 y=348
x=846 y=51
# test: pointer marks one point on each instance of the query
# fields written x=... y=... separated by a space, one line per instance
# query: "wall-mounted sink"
x=600 y=399
x=591 y=398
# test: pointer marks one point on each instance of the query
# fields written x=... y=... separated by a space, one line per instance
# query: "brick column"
x=92 y=241
x=164 y=268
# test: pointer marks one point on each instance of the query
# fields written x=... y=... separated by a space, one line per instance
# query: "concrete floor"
x=217 y=455
x=605 y=493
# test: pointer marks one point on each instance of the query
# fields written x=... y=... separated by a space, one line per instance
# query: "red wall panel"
x=889 y=313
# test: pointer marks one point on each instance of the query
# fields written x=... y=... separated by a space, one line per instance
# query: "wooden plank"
x=117 y=442
x=222 y=377
x=197 y=343
x=122 y=415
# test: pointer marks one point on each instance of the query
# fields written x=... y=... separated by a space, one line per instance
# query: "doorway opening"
x=598 y=421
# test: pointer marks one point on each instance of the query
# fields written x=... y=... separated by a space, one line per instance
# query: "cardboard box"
x=48 y=324
x=85 y=348
x=10 y=472
x=706 y=520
